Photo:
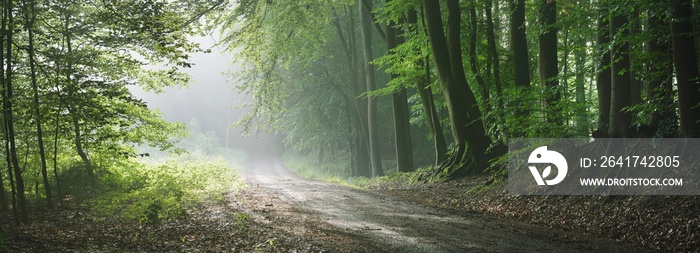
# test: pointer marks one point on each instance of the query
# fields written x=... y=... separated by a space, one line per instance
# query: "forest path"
x=344 y=219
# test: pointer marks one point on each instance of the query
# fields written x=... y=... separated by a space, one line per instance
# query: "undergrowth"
x=338 y=173
x=165 y=188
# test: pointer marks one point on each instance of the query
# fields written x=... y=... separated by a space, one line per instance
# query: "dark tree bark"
x=8 y=112
x=603 y=73
x=465 y=116
x=685 y=61
x=29 y=23
x=548 y=62
x=370 y=82
x=664 y=120
x=3 y=195
x=6 y=136
x=620 y=87
x=399 y=103
x=518 y=43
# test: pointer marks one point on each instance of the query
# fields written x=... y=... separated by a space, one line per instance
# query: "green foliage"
x=165 y=189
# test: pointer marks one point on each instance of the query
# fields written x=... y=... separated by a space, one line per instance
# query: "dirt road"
x=352 y=220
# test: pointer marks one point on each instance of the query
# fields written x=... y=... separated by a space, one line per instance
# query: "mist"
x=211 y=103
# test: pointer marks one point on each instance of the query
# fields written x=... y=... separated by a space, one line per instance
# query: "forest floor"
x=281 y=212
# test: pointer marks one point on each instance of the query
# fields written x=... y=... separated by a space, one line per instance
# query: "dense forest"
x=390 y=86
x=358 y=88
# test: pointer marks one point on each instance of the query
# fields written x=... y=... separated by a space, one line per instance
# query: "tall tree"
x=465 y=116
x=370 y=81
x=399 y=102
x=518 y=44
x=359 y=148
x=686 y=65
x=29 y=20
x=493 y=54
x=620 y=86
x=603 y=73
x=548 y=62
x=8 y=102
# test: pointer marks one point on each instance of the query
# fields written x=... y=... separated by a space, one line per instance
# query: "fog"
x=210 y=100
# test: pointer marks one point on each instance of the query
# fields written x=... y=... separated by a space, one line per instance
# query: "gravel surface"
x=343 y=219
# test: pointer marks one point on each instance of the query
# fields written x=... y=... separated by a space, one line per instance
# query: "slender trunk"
x=360 y=157
x=603 y=74
x=8 y=160
x=3 y=83
x=620 y=89
x=55 y=156
x=399 y=103
x=73 y=108
x=29 y=22
x=372 y=123
x=580 y=83
x=19 y=181
x=493 y=54
x=684 y=59
x=3 y=195
x=548 y=62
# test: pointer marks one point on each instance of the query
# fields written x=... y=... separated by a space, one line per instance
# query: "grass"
x=338 y=173
x=165 y=188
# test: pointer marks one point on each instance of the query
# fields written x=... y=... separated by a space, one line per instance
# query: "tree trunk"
x=548 y=62
x=399 y=104
x=493 y=54
x=518 y=44
x=465 y=116
x=620 y=87
x=73 y=108
x=3 y=195
x=8 y=159
x=372 y=124
x=55 y=156
x=19 y=181
x=29 y=22
x=603 y=73
x=580 y=83
x=684 y=59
